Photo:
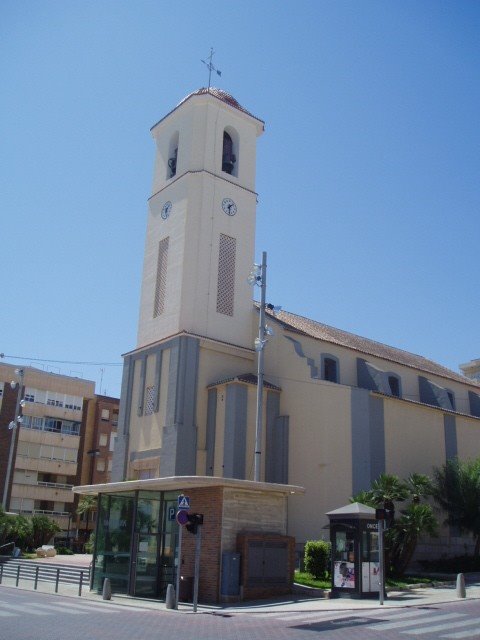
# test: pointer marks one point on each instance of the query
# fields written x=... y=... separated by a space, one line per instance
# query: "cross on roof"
x=210 y=67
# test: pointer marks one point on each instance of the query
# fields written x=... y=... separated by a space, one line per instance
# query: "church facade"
x=338 y=409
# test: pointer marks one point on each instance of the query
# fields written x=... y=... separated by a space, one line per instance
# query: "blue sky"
x=368 y=171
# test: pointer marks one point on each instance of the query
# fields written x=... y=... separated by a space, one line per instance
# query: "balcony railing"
x=54 y=485
x=44 y=512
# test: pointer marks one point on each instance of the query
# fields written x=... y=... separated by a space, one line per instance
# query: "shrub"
x=317 y=558
x=64 y=551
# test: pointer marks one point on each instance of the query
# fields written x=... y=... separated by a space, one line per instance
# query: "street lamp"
x=12 y=426
x=258 y=277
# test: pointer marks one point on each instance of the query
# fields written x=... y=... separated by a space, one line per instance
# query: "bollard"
x=461 y=592
x=107 y=589
x=170 y=597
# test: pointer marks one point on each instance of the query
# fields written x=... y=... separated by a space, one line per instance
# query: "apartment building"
x=44 y=441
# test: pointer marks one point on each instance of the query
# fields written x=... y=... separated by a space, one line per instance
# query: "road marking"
x=444 y=627
x=56 y=608
x=410 y=623
x=108 y=608
x=298 y=615
x=460 y=634
x=24 y=609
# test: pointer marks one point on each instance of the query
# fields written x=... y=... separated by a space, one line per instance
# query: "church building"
x=338 y=409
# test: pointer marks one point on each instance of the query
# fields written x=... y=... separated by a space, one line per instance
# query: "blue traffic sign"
x=183 y=502
x=172 y=512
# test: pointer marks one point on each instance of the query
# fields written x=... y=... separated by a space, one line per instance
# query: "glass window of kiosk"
x=344 y=560
x=344 y=546
x=370 y=551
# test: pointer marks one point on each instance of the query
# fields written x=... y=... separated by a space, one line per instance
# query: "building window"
x=228 y=157
x=109 y=467
x=105 y=416
x=145 y=474
x=226 y=275
x=103 y=440
x=161 y=283
x=100 y=465
x=115 y=419
x=394 y=384
x=451 y=397
x=150 y=401
x=330 y=369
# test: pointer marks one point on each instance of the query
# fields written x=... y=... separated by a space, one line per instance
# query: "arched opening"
x=172 y=156
x=230 y=152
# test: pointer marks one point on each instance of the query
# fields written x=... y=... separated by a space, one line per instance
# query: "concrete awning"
x=187 y=482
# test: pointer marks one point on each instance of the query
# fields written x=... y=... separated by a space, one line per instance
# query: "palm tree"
x=420 y=486
x=86 y=505
x=416 y=520
x=457 y=490
x=388 y=489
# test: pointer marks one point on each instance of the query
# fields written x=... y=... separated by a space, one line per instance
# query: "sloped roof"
x=305 y=326
x=248 y=378
x=219 y=94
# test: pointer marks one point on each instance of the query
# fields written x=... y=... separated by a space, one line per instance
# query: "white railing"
x=54 y=485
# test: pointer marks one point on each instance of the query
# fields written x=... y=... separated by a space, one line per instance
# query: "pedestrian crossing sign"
x=183 y=502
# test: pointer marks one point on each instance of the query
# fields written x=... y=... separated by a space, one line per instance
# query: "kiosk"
x=355 y=551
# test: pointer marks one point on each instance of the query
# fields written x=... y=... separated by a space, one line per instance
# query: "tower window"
x=228 y=157
x=172 y=155
x=226 y=274
x=330 y=370
x=161 y=284
x=172 y=163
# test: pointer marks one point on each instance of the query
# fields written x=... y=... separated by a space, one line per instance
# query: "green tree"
x=420 y=486
x=416 y=519
x=86 y=505
x=457 y=490
x=14 y=529
x=43 y=529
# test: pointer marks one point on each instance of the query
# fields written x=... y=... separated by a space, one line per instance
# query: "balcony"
x=50 y=491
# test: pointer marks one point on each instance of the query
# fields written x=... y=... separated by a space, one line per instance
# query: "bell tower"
x=201 y=223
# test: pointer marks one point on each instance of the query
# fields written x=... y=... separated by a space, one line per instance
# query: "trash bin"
x=186 y=589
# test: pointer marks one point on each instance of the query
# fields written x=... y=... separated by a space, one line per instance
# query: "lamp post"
x=12 y=426
x=258 y=276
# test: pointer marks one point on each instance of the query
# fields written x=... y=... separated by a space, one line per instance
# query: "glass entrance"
x=156 y=531
x=146 y=563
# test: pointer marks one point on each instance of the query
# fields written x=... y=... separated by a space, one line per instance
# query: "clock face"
x=166 y=210
x=229 y=206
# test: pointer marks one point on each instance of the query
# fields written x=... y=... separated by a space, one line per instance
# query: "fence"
x=31 y=571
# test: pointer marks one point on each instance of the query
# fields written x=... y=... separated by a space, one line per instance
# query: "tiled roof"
x=314 y=329
x=248 y=378
x=221 y=95
x=225 y=97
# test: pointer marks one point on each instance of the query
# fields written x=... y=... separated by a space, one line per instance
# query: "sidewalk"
x=424 y=596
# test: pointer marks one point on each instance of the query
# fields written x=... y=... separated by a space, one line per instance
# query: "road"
x=29 y=615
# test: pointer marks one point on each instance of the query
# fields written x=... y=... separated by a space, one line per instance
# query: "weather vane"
x=210 y=67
